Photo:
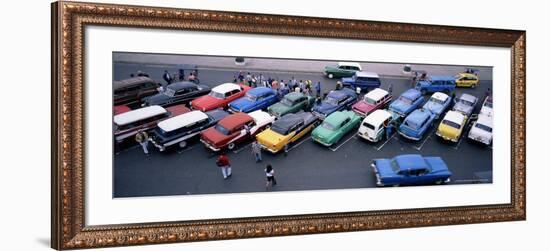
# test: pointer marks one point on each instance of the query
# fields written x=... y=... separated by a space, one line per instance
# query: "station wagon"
x=219 y=97
x=133 y=90
x=373 y=126
x=258 y=98
x=362 y=79
x=291 y=103
x=177 y=93
x=411 y=169
x=436 y=84
x=335 y=126
x=416 y=124
x=373 y=100
x=342 y=69
x=407 y=102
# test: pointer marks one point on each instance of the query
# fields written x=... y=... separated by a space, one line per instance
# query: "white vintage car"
x=487 y=107
x=373 y=126
x=482 y=129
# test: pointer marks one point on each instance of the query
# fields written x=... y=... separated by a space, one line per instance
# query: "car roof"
x=377 y=94
x=289 y=120
x=349 y=64
x=227 y=87
x=181 y=85
x=485 y=120
x=235 y=120
x=377 y=117
x=442 y=78
x=411 y=94
x=260 y=90
x=440 y=96
x=454 y=116
x=411 y=161
x=182 y=120
x=468 y=97
x=418 y=115
x=367 y=74
x=294 y=95
x=260 y=116
x=336 y=118
x=138 y=114
x=131 y=81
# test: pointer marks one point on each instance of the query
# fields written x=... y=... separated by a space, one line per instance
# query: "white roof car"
x=182 y=120
x=376 y=94
x=440 y=96
x=377 y=117
x=138 y=114
x=349 y=64
x=482 y=130
x=225 y=88
x=455 y=117
x=367 y=74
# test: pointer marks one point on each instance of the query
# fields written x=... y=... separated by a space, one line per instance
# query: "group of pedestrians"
x=180 y=76
x=281 y=86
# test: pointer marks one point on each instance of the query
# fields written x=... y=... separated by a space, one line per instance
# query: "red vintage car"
x=219 y=97
x=375 y=99
x=235 y=129
x=120 y=109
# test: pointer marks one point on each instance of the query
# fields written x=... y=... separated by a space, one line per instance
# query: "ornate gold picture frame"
x=69 y=230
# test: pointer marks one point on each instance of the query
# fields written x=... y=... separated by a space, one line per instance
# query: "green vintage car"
x=342 y=70
x=291 y=103
x=335 y=126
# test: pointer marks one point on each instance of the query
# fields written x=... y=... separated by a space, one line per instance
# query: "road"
x=308 y=165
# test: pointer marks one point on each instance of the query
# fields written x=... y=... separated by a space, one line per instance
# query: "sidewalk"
x=284 y=65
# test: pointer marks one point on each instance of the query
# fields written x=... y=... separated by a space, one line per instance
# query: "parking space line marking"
x=458 y=144
x=388 y=140
x=299 y=143
x=242 y=148
x=334 y=149
x=423 y=142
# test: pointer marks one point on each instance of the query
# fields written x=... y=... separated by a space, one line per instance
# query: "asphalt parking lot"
x=308 y=165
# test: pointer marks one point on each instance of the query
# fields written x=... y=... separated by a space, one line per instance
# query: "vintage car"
x=373 y=100
x=416 y=124
x=177 y=93
x=336 y=100
x=128 y=124
x=286 y=130
x=373 y=126
x=438 y=103
x=465 y=104
x=407 y=102
x=487 y=107
x=219 y=97
x=451 y=126
x=132 y=90
x=482 y=130
x=342 y=69
x=182 y=128
x=411 y=169
x=362 y=79
x=291 y=103
x=118 y=109
x=258 y=98
x=466 y=80
x=436 y=84
x=335 y=126
x=235 y=129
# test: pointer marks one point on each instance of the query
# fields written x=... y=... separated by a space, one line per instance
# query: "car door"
x=345 y=126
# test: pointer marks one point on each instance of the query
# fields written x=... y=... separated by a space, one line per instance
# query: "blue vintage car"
x=335 y=101
x=438 y=103
x=362 y=79
x=416 y=124
x=255 y=99
x=407 y=102
x=436 y=84
x=411 y=169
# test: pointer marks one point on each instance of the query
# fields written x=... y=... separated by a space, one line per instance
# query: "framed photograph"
x=177 y=125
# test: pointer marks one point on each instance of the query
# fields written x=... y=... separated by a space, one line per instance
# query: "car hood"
x=213 y=136
x=269 y=138
x=437 y=165
x=206 y=103
x=325 y=108
x=434 y=107
x=278 y=109
x=463 y=108
x=383 y=167
x=363 y=106
x=242 y=104
x=322 y=133
x=159 y=98
x=448 y=131
x=400 y=106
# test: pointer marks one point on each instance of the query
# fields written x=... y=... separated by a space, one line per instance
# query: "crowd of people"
x=281 y=86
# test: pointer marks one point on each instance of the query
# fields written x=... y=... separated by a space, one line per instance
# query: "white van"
x=373 y=126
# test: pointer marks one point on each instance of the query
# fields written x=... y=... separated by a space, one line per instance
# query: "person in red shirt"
x=225 y=165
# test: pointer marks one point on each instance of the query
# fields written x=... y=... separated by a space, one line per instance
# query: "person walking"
x=167 y=77
x=302 y=85
x=249 y=79
x=389 y=130
x=318 y=89
x=257 y=151
x=240 y=77
x=270 y=177
x=225 y=165
x=143 y=139
x=181 y=74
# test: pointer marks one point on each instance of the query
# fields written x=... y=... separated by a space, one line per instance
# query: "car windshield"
x=411 y=125
x=169 y=92
x=251 y=97
x=286 y=102
x=328 y=126
x=331 y=100
x=394 y=165
x=216 y=95
x=451 y=124
x=466 y=102
x=484 y=127
x=221 y=129
x=437 y=101
x=405 y=100
x=369 y=100
x=367 y=125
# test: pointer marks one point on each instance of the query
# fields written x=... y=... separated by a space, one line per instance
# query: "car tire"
x=231 y=146
x=330 y=75
x=473 y=86
x=395 y=185
x=182 y=144
x=439 y=182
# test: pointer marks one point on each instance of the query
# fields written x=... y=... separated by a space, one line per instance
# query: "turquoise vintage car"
x=335 y=126
x=291 y=103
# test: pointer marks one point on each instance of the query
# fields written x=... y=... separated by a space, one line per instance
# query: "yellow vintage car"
x=451 y=126
x=286 y=130
x=466 y=80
